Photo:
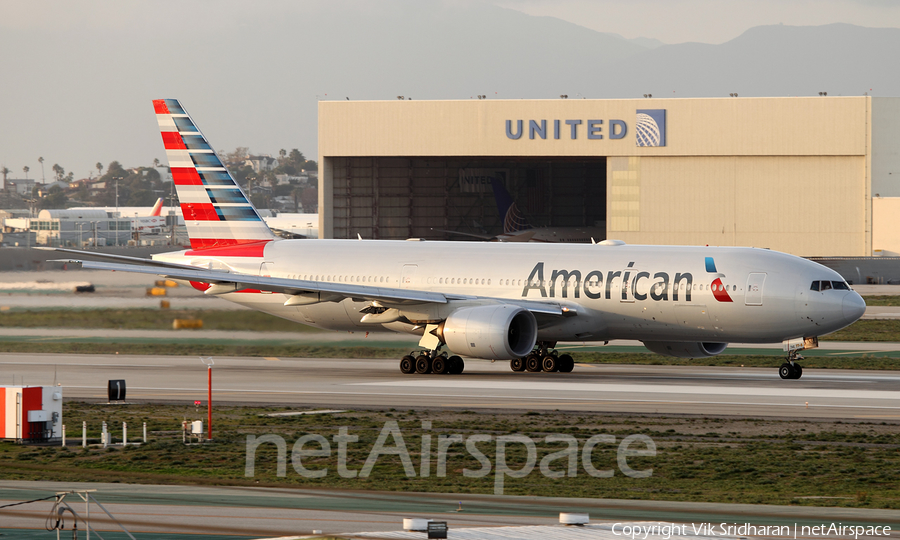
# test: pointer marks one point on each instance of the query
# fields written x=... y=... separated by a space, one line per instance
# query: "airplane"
x=152 y=224
x=517 y=229
x=289 y=225
x=508 y=301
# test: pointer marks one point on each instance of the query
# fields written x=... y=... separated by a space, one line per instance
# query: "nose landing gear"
x=791 y=369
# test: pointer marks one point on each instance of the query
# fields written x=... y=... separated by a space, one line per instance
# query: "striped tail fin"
x=157 y=208
x=217 y=212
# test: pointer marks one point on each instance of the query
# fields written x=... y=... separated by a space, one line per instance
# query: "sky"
x=707 y=21
x=78 y=77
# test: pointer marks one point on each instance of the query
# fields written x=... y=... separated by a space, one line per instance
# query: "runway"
x=253 y=512
x=338 y=383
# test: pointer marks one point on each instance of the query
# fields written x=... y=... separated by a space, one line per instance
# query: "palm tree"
x=41 y=161
x=99 y=168
x=26 y=168
x=155 y=162
x=4 y=171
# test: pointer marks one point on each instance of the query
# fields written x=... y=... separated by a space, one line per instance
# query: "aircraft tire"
x=440 y=365
x=550 y=363
x=566 y=363
x=785 y=371
x=533 y=363
x=517 y=364
x=798 y=371
x=423 y=364
x=457 y=365
x=407 y=365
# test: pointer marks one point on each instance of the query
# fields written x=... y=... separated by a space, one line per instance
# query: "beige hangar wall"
x=792 y=174
x=806 y=205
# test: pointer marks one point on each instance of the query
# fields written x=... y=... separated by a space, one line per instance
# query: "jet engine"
x=684 y=349
x=499 y=332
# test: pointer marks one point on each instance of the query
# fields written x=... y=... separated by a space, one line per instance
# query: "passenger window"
x=826 y=285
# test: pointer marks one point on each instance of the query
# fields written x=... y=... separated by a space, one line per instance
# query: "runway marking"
x=851 y=352
x=508 y=398
x=272 y=358
x=519 y=385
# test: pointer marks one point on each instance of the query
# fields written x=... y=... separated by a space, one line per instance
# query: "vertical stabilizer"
x=513 y=221
x=216 y=211
x=157 y=208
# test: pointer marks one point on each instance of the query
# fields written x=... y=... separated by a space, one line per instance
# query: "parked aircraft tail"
x=157 y=208
x=513 y=220
x=217 y=212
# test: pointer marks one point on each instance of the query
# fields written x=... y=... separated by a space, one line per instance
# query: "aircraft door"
x=754 y=294
x=627 y=291
x=266 y=269
x=408 y=275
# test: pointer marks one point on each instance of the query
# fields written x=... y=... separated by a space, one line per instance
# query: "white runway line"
x=782 y=391
x=501 y=398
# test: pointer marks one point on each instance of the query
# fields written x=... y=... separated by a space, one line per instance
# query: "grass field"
x=161 y=319
x=819 y=463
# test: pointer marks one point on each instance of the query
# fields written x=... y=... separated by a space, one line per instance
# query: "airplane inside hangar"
x=452 y=198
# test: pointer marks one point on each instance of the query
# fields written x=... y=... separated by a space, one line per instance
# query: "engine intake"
x=683 y=349
x=500 y=332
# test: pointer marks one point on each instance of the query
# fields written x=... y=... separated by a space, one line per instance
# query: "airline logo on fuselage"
x=632 y=283
x=720 y=291
x=596 y=285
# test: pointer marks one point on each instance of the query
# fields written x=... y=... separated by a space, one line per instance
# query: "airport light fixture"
x=648 y=95
x=733 y=94
x=823 y=94
x=564 y=96
x=208 y=362
x=117 y=178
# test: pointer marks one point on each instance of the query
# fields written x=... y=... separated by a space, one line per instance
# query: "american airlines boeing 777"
x=506 y=301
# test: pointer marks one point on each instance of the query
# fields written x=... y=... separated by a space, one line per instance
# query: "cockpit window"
x=826 y=285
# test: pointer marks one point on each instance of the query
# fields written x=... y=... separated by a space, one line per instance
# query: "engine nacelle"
x=500 y=332
x=684 y=349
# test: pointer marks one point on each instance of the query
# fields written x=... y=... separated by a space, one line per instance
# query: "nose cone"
x=853 y=307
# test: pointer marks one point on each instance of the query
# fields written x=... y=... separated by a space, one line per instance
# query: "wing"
x=300 y=291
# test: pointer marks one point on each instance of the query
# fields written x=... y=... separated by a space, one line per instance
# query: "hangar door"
x=447 y=198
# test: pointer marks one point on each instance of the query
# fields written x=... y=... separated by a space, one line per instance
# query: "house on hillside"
x=261 y=163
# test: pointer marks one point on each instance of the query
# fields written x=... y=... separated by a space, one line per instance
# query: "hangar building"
x=812 y=176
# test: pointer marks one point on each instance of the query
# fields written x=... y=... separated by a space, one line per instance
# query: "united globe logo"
x=650 y=127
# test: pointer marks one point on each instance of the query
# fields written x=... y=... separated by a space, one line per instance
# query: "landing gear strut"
x=424 y=362
x=791 y=369
x=543 y=358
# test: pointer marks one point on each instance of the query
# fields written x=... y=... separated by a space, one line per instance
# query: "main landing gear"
x=543 y=358
x=423 y=362
x=791 y=369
